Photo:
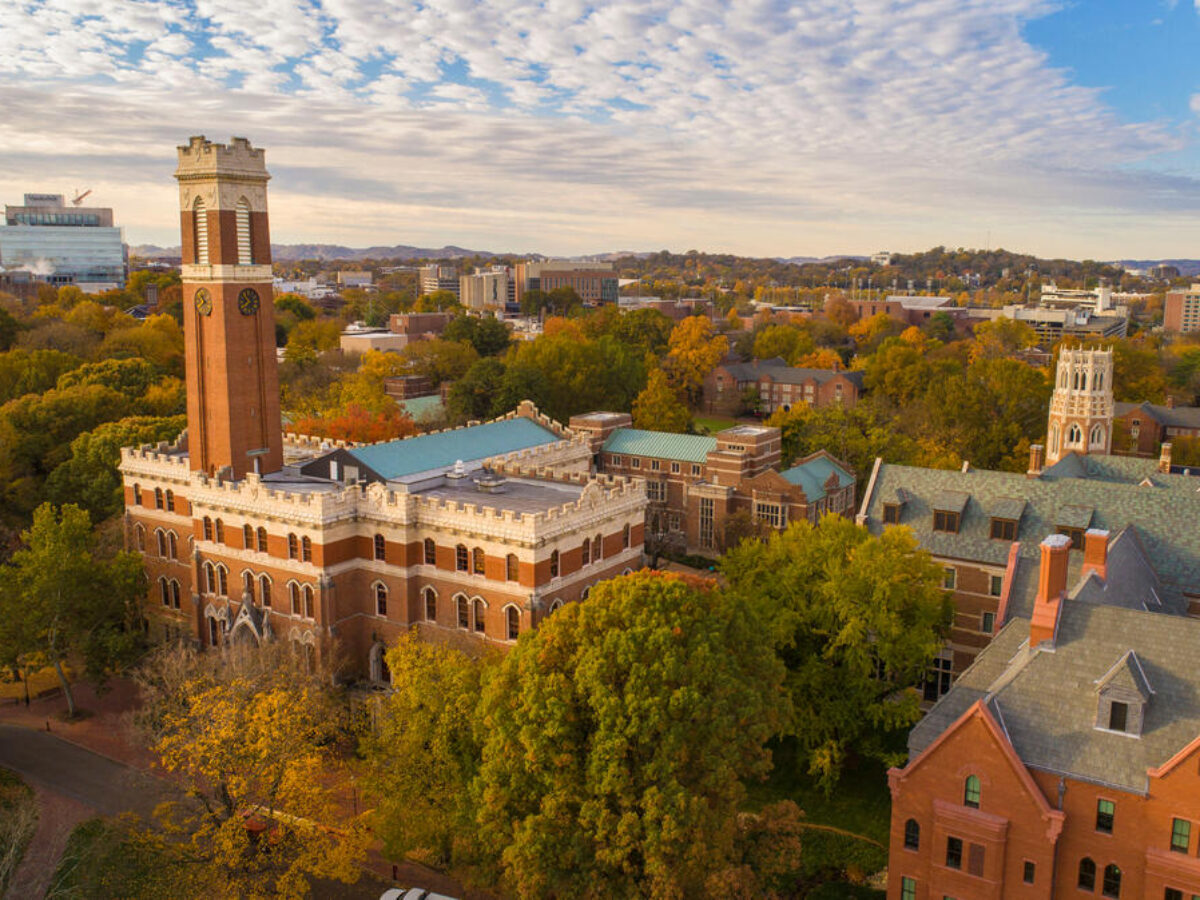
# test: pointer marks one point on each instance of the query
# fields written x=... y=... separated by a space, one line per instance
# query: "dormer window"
x=948 y=509
x=1123 y=693
x=1004 y=529
x=1074 y=521
x=1118 y=715
x=891 y=514
x=945 y=521
x=1005 y=516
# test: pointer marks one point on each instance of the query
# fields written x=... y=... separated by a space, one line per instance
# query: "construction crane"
x=80 y=197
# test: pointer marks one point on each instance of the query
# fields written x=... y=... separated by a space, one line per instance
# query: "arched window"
x=306 y=549
x=597 y=548
x=161 y=538
x=248 y=585
x=170 y=501
x=512 y=567
x=464 y=612
x=625 y=537
x=172 y=545
x=208 y=529
x=554 y=607
x=308 y=602
x=430 y=552
x=430 y=597
x=554 y=564
x=1099 y=381
x=139 y=537
x=380 y=547
x=214 y=631
x=912 y=835
x=512 y=621
x=210 y=578
x=586 y=552
x=137 y=495
x=380 y=600
x=585 y=593
x=1111 y=883
x=478 y=561
x=293 y=547
x=1111 y=886
x=1097 y=439
x=1053 y=438
x=158 y=498
x=1074 y=436
x=247 y=537
x=461 y=563
x=262 y=539
x=378 y=665
x=1087 y=875
x=479 y=614
x=200 y=222
x=222 y=581
x=242 y=216
x=294 y=597
x=264 y=590
x=220 y=535
x=164 y=590
x=176 y=593
x=971 y=792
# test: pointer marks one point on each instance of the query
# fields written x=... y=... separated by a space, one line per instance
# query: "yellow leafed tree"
x=694 y=351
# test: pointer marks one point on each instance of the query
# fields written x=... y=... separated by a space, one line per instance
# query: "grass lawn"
x=712 y=424
x=39 y=681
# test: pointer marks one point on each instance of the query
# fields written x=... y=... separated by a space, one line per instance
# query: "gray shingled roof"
x=1172 y=417
x=1165 y=515
x=1047 y=700
x=780 y=371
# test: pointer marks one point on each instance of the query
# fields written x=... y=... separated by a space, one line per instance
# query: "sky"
x=759 y=127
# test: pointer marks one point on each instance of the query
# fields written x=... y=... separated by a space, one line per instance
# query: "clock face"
x=248 y=302
x=203 y=302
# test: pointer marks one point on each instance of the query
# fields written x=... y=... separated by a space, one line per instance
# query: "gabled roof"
x=813 y=473
x=780 y=371
x=408 y=456
x=660 y=444
x=1127 y=672
x=1008 y=508
x=1168 y=416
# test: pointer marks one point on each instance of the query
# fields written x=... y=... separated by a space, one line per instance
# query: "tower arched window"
x=597 y=548
x=464 y=611
x=247 y=537
x=164 y=590
x=158 y=498
x=200 y=223
x=430 y=552
x=162 y=542
x=1074 y=436
x=1097 y=438
x=139 y=537
x=586 y=552
x=264 y=590
x=175 y=594
x=294 y=597
x=245 y=249
x=210 y=578
x=380 y=547
x=262 y=539
x=554 y=564
x=479 y=614
x=512 y=622
x=461 y=562
x=308 y=602
x=208 y=528
x=170 y=501
x=1087 y=875
x=247 y=585
x=220 y=532
x=293 y=547
x=625 y=537
x=430 y=597
x=137 y=495
x=912 y=835
x=971 y=792
x=512 y=567
x=1111 y=885
x=306 y=549
x=381 y=593
x=478 y=561
x=222 y=581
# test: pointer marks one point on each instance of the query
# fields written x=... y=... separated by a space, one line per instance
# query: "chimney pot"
x=1037 y=460
x=1052 y=587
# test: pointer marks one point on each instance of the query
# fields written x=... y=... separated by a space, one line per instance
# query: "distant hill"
x=1186 y=267
x=332 y=252
x=805 y=260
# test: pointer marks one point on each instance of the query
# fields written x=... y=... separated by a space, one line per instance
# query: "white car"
x=412 y=894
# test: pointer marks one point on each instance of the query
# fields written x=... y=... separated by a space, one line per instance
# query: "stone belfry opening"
x=234 y=424
x=1081 y=408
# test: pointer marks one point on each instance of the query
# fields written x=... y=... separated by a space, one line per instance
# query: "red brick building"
x=776 y=385
x=1141 y=429
x=1181 y=310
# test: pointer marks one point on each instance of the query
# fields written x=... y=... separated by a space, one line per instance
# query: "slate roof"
x=1162 y=516
x=1047 y=700
x=660 y=444
x=813 y=473
x=780 y=371
x=408 y=456
x=1170 y=417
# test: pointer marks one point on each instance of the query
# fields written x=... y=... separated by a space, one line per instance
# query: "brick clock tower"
x=1081 y=409
x=234 y=424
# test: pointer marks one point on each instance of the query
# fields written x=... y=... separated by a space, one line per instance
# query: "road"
x=91 y=779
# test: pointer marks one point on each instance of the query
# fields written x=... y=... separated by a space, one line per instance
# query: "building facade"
x=435 y=278
x=63 y=244
x=1181 y=310
x=776 y=385
x=488 y=289
x=594 y=282
x=1144 y=429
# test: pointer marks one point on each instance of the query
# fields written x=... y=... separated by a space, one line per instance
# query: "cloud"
x=764 y=126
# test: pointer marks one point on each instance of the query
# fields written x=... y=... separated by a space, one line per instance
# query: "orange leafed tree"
x=359 y=424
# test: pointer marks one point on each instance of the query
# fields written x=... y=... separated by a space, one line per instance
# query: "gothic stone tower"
x=1081 y=410
x=229 y=317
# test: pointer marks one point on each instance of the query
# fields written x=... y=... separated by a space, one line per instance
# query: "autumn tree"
x=1002 y=337
x=657 y=407
x=474 y=395
x=564 y=375
x=311 y=337
x=59 y=600
x=617 y=739
x=354 y=422
x=250 y=734
x=488 y=335
x=856 y=619
x=695 y=350
x=856 y=435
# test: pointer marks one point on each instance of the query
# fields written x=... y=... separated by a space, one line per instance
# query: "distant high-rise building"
x=1182 y=310
x=438 y=278
x=63 y=243
x=594 y=282
x=485 y=289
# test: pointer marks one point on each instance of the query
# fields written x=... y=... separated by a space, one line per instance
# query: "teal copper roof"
x=812 y=474
x=397 y=459
x=661 y=444
x=424 y=409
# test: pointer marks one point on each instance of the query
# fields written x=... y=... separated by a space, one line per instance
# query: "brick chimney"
x=1164 y=458
x=1052 y=588
x=1037 y=460
x=1170 y=402
x=1095 y=552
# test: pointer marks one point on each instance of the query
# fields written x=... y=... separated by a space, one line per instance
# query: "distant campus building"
x=1059 y=758
x=773 y=384
x=1181 y=310
x=63 y=244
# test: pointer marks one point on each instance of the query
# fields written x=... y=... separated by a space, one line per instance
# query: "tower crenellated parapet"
x=1081 y=408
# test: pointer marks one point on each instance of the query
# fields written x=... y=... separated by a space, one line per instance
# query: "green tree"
x=32 y=371
x=565 y=375
x=856 y=619
x=785 y=341
x=132 y=377
x=9 y=328
x=90 y=477
x=300 y=308
x=488 y=335
x=657 y=408
x=856 y=435
x=618 y=736
x=474 y=395
x=59 y=600
x=309 y=338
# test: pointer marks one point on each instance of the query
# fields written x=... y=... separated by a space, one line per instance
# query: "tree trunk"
x=66 y=686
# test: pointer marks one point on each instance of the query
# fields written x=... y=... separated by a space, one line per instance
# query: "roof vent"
x=459 y=470
x=489 y=482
